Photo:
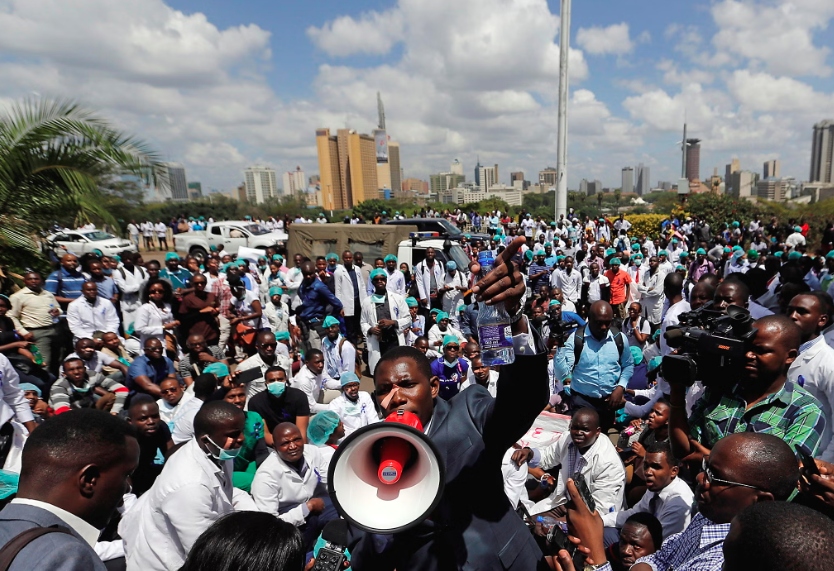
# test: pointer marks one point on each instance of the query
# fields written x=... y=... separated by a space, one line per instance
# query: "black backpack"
x=579 y=342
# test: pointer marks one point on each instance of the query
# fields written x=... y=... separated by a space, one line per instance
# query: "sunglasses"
x=710 y=478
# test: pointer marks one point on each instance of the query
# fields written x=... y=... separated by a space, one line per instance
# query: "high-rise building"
x=394 y=165
x=416 y=185
x=733 y=167
x=771 y=169
x=478 y=172
x=457 y=167
x=348 y=168
x=627 y=185
x=549 y=177
x=772 y=189
x=693 y=159
x=643 y=177
x=742 y=184
x=822 y=152
x=583 y=186
x=261 y=184
x=594 y=187
x=295 y=182
x=488 y=177
x=444 y=181
x=171 y=183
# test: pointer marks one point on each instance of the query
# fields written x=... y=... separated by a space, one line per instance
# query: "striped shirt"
x=699 y=547
x=791 y=413
x=64 y=396
x=65 y=284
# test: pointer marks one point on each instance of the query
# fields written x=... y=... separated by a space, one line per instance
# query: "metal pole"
x=562 y=136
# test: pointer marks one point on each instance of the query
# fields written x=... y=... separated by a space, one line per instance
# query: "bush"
x=648 y=224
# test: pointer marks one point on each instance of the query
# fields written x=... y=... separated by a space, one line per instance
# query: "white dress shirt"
x=813 y=370
x=84 y=318
x=150 y=320
x=312 y=385
x=81 y=527
x=673 y=510
x=357 y=414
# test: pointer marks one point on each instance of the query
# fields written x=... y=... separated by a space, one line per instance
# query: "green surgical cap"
x=277 y=258
x=449 y=339
x=663 y=253
x=377 y=273
x=348 y=378
x=636 y=354
x=701 y=252
x=331 y=256
x=282 y=336
x=752 y=254
x=171 y=256
x=635 y=247
x=220 y=370
x=390 y=258
x=654 y=364
x=779 y=254
x=615 y=262
x=275 y=290
x=330 y=321
x=794 y=256
x=554 y=302
x=411 y=302
x=321 y=427
x=441 y=315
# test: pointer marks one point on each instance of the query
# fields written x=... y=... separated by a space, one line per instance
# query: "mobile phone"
x=329 y=558
x=558 y=540
x=249 y=375
x=584 y=491
x=807 y=461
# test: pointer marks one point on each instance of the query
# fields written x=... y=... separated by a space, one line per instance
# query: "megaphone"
x=387 y=477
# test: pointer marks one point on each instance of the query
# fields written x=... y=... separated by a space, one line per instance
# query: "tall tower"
x=693 y=159
x=822 y=152
x=380 y=109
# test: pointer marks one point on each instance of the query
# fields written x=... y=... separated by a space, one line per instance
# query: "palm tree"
x=55 y=158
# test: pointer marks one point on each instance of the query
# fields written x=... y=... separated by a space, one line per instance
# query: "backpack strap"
x=21 y=540
x=579 y=343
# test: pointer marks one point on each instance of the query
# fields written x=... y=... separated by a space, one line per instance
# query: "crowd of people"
x=184 y=414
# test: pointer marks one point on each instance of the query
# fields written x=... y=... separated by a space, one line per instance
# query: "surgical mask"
x=276 y=388
x=82 y=390
x=451 y=364
x=378 y=298
x=223 y=454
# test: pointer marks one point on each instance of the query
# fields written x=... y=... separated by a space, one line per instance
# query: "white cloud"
x=764 y=92
x=601 y=41
x=373 y=33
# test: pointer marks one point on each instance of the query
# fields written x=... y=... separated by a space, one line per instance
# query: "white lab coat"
x=14 y=403
x=150 y=320
x=422 y=274
x=453 y=297
x=344 y=288
x=603 y=471
x=130 y=284
x=813 y=370
x=311 y=385
x=277 y=316
x=282 y=360
x=339 y=357
x=281 y=491
x=651 y=289
x=190 y=494
x=357 y=414
x=85 y=319
x=399 y=313
x=435 y=335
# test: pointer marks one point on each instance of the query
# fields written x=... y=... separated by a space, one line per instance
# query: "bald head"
x=761 y=460
x=788 y=333
x=600 y=317
x=673 y=284
x=213 y=415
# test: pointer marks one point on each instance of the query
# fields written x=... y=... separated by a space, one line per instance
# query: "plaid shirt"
x=223 y=294
x=791 y=413
x=699 y=547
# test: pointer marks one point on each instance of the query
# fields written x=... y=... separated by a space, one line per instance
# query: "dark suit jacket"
x=54 y=551
x=474 y=526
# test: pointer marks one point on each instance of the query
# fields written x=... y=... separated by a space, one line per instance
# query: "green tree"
x=55 y=160
x=618 y=195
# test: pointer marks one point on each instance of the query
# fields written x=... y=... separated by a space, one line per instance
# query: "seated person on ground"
x=355 y=408
x=280 y=403
x=154 y=442
x=79 y=389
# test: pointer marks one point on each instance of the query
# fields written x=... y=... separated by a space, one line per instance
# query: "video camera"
x=560 y=330
x=710 y=344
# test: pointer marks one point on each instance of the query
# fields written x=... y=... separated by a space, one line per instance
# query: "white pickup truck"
x=232 y=234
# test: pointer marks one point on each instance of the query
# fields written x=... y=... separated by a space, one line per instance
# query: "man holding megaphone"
x=461 y=518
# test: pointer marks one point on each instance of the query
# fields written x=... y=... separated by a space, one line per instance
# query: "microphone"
x=331 y=555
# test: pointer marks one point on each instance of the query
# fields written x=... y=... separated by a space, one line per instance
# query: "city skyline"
x=218 y=86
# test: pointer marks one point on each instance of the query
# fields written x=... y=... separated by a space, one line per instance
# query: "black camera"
x=560 y=330
x=711 y=345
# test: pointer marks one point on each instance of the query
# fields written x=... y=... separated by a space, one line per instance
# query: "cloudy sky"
x=220 y=84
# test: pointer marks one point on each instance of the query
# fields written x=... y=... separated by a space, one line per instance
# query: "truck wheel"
x=198 y=252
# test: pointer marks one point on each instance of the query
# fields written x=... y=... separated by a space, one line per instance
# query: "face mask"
x=82 y=390
x=262 y=268
x=276 y=388
x=223 y=454
x=450 y=364
x=378 y=298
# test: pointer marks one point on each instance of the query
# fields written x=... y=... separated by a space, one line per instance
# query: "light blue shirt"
x=600 y=369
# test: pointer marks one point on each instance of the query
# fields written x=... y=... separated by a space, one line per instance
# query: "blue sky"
x=220 y=85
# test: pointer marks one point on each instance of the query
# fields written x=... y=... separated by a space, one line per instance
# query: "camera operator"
x=763 y=401
x=599 y=363
x=559 y=324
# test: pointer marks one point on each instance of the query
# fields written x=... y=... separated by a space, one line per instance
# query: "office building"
x=487 y=177
x=195 y=190
x=457 y=167
x=742 y=184
x=643 y=186
x=443 y=181
x=261 y=184
x=664 y=185
x=693 y=159
x=583 y=186
x=822 y=153
x=771 y=169
x=239 y=193
x=733 y=167
x=171 y=183
x=772 y=189
x=295 y=182
x=549 y=177
x=394 y=165
x=347 y=167
x=627 y=185
x=416 y=185
x=594 y=187
x=514 y=176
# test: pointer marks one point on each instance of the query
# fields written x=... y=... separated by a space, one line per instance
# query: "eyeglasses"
x=452 y=347
x=268 y=345
x=710 y=479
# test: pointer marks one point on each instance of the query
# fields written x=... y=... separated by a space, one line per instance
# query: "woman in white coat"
x=154 y=318
x=384 y=318
x=651 y=288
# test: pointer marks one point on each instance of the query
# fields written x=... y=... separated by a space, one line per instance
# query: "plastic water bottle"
x=494 y=329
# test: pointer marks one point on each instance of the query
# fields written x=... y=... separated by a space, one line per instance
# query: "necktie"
x=654 y=505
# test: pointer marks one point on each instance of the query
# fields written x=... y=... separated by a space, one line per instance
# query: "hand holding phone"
x=584 y=491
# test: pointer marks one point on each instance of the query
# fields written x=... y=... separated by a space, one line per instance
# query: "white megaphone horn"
x=388 y=476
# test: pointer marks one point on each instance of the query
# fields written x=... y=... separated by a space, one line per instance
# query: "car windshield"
x=256 y=229
x=97 y=236
x=460 y=257
x=451 y=229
